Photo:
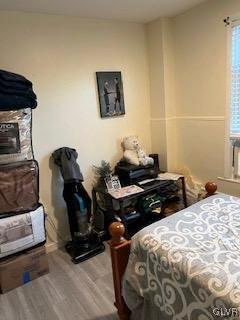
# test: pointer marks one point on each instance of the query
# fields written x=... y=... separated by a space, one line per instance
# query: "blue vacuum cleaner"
x=85 y=241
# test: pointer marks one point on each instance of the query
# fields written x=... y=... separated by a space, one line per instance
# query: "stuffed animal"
x=133 y=153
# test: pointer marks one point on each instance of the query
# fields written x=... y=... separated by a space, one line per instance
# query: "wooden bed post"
x=211 y=188
x=120 y=250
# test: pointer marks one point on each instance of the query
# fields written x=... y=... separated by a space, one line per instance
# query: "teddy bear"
x=133 y=153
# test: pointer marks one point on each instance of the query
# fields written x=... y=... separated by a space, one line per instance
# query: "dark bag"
x=150 y=207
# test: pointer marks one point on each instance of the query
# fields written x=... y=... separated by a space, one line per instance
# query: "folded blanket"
x=14 y=77
x=18 y=187
x=27 y=93
x=18 y=233
x=15 y=84
x=13 y=102
x=16 y=92
x=15 y=136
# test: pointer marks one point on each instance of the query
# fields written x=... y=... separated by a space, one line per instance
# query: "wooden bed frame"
x=120 y=250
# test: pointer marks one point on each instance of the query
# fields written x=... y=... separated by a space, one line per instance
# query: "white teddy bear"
x=133 y=153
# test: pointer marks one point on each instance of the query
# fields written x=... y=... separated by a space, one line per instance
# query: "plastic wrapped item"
x=21 y=232
x=18 y=187
x=16 y=136
x=193 y=187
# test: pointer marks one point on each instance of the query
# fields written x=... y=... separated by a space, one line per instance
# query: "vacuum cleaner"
x=85 y=241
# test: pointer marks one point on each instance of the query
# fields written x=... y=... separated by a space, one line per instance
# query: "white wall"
x=188 y=77
x=201 y=88
x=162 y=91
x=157 y=91
x=61 y=55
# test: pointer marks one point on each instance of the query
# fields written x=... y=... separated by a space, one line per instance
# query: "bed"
x=186 y=266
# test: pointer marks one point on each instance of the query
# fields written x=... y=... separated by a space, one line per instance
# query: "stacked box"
x=22 y=217
x=20 y=269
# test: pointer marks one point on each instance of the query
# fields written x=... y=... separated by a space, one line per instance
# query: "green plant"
x=101 y=172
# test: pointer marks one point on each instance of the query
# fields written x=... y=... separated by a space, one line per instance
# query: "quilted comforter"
x=187 y=266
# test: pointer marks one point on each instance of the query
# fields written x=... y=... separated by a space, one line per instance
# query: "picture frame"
x=112 y=183
x=110 y=93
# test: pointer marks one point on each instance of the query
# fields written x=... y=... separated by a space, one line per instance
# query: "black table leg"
x=184 y=192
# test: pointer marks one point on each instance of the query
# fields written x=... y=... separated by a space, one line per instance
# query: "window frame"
x=233 y=21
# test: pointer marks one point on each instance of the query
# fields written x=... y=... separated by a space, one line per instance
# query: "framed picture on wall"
x=110 y=93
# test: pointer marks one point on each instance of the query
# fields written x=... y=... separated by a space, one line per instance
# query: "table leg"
x=184 y=192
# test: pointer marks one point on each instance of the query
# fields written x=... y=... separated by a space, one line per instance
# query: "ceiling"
x=125 y=10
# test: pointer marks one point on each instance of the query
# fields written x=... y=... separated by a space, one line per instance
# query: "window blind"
x=235 y=81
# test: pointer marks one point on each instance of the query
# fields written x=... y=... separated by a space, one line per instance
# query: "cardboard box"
x=23 y=268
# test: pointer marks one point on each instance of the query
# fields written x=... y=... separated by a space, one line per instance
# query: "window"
x=235 y=82
x=234 y=126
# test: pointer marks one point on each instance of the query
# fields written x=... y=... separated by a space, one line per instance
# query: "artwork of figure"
x=118 y=95
x=110 y=91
